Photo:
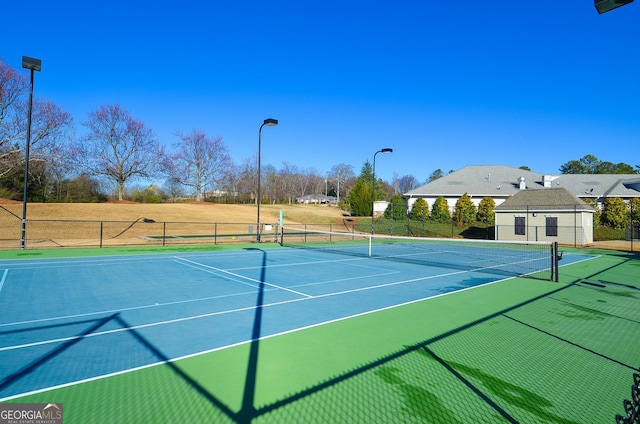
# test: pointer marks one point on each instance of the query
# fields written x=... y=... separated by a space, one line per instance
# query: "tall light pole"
x=386 y=150
x=269 y=122
x=34 y=65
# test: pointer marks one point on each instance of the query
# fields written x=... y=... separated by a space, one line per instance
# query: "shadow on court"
x=65 y=346
x=425 y=380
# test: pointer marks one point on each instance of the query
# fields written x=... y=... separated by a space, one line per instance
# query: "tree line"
x=117 y=153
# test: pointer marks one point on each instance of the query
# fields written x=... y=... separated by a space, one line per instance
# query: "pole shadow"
x=248 y=411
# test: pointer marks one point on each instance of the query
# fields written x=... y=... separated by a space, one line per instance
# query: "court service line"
x=246 y=308
x=242 y=277
x=132 y=308
x=269 y=336
x=308 y=262
x=4 y=277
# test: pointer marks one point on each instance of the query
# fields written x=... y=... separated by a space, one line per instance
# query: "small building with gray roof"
x=554 y=214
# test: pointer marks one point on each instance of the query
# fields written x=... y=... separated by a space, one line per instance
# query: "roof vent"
x=522 y=183
x=546 y=180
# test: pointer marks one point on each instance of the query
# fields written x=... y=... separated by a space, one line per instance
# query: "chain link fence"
x=142 y=232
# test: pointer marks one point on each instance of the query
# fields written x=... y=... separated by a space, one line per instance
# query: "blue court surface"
x=68 y=320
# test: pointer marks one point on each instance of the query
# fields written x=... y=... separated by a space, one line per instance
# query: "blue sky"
x=445 y=84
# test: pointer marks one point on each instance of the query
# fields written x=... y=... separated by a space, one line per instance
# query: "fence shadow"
x=420 y=402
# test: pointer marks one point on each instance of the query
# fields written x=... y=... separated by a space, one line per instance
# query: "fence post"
x=575 y=226
x=164 y=233
x=100 y=234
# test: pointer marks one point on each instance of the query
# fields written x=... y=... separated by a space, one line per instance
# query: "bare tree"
x=288 y=175
x=404 y=184
x=200 y=162
x=310 y=182
x=173 y=189
x=248 y=178
x=50 y=124
x=12 y=87
x=231 y=181
x=338 y=176
x=269 y=183
x=120 y=148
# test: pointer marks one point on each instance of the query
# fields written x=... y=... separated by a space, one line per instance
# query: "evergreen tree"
x=359 y=197
x=420 y=210
x=634 y=215
x=465 y=212
x=485 y=211
x=440 y=210
x=614 y=213
x=397 y=209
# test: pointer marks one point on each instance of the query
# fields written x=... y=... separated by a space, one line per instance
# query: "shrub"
x=419 y=210
x=465 y=212
x=614 y=213
x=397 y=209
x=485 y=212
x=440 y=210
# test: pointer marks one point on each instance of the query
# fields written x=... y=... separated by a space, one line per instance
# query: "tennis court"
x=263 y=333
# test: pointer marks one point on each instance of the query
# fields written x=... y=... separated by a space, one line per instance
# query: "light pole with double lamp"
x=386 y=150
x=33 y=65
x=269 y=122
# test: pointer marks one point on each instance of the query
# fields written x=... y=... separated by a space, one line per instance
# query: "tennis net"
x=509 y=258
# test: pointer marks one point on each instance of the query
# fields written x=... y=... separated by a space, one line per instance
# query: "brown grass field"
x=121 y=223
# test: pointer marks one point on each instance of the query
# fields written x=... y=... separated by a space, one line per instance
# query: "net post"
x=556 y=259
x=370 y=241
x=552 y=269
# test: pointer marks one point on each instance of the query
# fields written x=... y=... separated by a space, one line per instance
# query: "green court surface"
x=518 y=350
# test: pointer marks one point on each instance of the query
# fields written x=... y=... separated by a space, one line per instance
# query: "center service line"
x=243 y=277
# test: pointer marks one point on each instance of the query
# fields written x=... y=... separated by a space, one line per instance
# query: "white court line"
x=295 y=330
x=158 y=305
x=4 y=277
x=247 y=308
x=132 y=308
x=242 y=277
x=324 y=261
x=178 y=302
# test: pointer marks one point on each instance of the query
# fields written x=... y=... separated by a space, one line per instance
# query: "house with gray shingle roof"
x=553 y=214
x=501 y=182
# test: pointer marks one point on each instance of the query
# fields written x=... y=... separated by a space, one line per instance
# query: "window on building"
x=520 y=226
x=552 y=226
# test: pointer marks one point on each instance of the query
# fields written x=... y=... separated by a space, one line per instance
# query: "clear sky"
x=446 y=84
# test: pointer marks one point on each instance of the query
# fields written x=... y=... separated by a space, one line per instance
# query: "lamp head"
x=387 y=150
x=603 y=6
x=31 y=63
x=270 y=122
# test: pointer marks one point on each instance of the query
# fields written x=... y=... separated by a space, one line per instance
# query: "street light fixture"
x=603 y=6
x=33 y=65
x=269 y=122
x=386 y=150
